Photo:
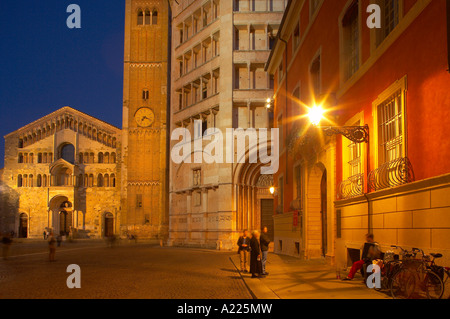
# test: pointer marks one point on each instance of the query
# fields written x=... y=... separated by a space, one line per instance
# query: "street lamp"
x=272 y=190
x=356 y=134
x=269 y=103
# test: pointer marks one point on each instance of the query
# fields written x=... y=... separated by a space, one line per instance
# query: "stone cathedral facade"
x=75 y=174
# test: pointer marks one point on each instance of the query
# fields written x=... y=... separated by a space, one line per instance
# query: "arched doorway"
x=65 y=218
x=316 y=213
x=23 y=226
x=109 y=225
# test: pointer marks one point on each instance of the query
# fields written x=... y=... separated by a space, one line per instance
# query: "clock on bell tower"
x=144 y=169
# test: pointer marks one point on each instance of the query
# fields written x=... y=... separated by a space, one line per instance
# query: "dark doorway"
x=23 y=226
x=109 y=225
x=267 y=216
x=65 y=218
x=323 y=211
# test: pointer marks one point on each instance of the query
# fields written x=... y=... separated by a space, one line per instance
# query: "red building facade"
x=394 y=83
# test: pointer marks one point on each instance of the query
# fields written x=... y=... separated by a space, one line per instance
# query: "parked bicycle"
x=442 y=272
x=415 y=279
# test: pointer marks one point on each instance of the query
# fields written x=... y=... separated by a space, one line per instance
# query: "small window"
x=296 y=37
x=204 y=126
x=100 y=181
x=19 y=181
x=315 y=76
x=148 y=17
x=145 y=95
x=139 y=201
x=140 y=20
x=155 y=17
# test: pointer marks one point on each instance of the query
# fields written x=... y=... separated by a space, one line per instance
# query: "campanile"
x=144 y=153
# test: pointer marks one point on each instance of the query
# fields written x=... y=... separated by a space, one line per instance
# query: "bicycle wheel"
x=433 y=286
x=403 y=284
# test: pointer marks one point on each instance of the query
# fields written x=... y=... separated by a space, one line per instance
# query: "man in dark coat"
x=244 y=250
x=255 y=256
x=264 y=241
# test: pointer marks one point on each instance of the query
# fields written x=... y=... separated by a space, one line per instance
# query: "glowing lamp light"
x=316 y=114
x=272 y=190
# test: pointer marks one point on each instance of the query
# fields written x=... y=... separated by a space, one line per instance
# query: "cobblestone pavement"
x=126 y=271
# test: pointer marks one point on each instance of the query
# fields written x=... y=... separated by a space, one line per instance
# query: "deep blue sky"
x=44 y=65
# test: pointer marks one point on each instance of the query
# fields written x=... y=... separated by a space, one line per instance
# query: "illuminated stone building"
x=61 y=173
x=144 y=170
x=219 y=49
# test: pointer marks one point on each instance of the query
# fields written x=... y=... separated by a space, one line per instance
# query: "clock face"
x=144 y=117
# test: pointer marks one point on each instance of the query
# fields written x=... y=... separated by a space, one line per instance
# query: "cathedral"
x=76 y=175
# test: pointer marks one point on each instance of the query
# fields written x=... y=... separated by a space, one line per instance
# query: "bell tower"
x=144 y=155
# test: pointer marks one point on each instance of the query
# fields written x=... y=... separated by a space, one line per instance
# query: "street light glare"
x=316 y=114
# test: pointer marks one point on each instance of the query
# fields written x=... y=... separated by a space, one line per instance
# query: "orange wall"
x=420 y=53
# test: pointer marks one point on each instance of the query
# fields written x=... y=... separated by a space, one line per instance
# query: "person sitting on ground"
x=370 y=251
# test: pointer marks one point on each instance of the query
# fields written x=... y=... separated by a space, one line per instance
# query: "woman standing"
x=255 y=256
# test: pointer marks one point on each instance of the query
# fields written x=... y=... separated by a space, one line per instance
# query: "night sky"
x=45 y=65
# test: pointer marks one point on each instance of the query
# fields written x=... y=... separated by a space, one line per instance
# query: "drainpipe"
x=286 y=104
x=369 y=211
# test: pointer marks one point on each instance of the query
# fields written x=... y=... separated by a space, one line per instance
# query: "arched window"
x=86 y=180
x=100 y=180
x=100 y=157
x=91 y=180
x=19 y=181
x=140 y=20
x=86 y=158
x=91 y=158
x=106 y=180
x=39 y=159
x=30 y=181
x=107 y=158
x=20 y=158
x=67 y=153
x=148 y=17
x=113 y=158
x=112 y=181
x=31 y=158
x=39 y=181
x=44 y=181
x=25 y=181
x=155 y=17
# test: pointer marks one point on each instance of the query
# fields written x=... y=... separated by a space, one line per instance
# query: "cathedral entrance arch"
x=23 y=226
x=109 y=225
x=61 y=218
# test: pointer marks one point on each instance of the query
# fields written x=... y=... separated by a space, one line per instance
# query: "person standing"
x=264 y=242
x=7 y=242
x=51 y=247
x=255 y=256
x=244 y=250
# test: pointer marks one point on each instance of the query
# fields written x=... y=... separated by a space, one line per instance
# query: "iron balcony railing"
x=352 y=187
x=391 y=174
